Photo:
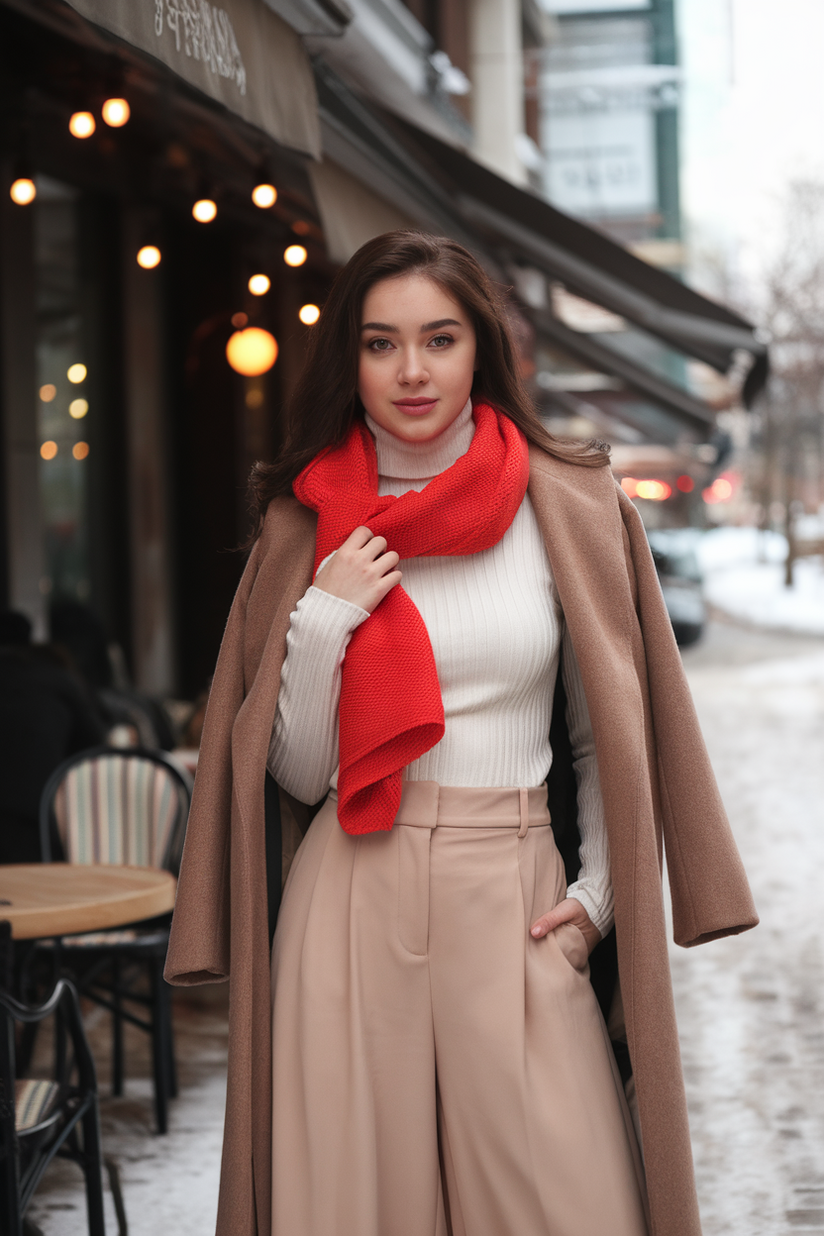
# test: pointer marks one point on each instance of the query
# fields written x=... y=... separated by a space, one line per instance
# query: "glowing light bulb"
x=80 y=450
x=116 y=112
x=82 y=124
x=259 y=285
x=148 y=257
x=252 y=351
x=23 y=191
x=204 y=210
x=78 y=408
x=76 y=373
x=295 y=255
x=48 y=392
x=48 y=450
x=264 y=196
x=239 y=320
x=308 y=314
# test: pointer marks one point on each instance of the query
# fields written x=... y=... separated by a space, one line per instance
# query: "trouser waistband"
x=425 y=804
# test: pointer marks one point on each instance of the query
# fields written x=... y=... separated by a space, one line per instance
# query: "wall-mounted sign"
x=237 y=51
x=601 y=163
x=592 y=6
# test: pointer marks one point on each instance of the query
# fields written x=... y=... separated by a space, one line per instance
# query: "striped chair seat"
x=120 y=937
x=33 y=1102
x=114 y=809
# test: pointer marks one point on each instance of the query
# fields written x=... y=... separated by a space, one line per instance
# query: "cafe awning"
x=410 y=176
x=240 y=53
x=520 y=227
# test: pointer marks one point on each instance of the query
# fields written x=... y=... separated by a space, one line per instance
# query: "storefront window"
x=64 y=410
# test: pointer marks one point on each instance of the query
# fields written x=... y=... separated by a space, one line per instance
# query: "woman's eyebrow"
x=394 y=330
x=437 y=325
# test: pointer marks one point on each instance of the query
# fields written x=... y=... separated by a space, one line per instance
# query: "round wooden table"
x=60 y=899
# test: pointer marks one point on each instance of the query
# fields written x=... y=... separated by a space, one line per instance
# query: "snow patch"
x=744 y=577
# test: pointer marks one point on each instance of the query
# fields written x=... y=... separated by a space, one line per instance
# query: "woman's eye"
x=441 y=341
x=379 y=345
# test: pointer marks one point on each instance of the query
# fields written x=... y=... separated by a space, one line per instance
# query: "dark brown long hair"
x=325 y=399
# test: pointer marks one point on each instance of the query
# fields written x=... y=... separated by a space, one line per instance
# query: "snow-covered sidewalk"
x=744 y=577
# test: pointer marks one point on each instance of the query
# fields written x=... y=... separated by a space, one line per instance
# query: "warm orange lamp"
x=252 y=351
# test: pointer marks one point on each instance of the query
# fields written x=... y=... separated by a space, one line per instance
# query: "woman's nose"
x=412 y=369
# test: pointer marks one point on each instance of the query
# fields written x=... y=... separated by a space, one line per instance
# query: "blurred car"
x=673 y=551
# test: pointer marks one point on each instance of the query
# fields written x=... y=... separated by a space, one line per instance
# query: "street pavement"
x=750 y=1008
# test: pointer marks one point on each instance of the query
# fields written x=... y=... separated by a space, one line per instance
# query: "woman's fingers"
x=570 y=910
x=357 y=539
x=362 y=571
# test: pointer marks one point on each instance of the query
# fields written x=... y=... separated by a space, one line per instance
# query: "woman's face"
x=417 y=357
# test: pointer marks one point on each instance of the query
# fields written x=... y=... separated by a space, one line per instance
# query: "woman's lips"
x=415 y=407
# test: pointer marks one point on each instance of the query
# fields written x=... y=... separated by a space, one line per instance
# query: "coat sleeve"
x=199 y=943
x=710 y=893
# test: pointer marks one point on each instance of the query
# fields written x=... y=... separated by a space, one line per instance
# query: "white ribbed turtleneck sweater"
x=497 y=630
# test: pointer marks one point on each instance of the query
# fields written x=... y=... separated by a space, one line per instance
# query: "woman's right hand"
x=362 y=571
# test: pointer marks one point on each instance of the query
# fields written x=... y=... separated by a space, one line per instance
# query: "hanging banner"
x=238 y=51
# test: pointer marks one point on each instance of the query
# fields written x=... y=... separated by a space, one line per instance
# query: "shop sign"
x=203 y=32
x=239 y=52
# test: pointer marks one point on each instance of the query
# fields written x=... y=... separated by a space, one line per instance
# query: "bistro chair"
x=128 y=807
x=41 y=1118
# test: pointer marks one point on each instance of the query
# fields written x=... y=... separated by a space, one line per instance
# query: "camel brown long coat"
x=658 y=790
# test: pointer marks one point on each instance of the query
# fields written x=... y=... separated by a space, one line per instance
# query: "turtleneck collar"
x=417 y=460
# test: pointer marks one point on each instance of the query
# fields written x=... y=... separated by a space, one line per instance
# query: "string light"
x=295 y=255
x=48 y=392
x=116 y=113
x=259 y=285
x=252 y=351
x=309 y=314
x=148 y=257
x=48 y=450
x=82 y=124
x=80 y=450
x=204 y=210
x=239 y=320
x=78 y=408
x=76 y=373
x=23 y=191
x=264 y=196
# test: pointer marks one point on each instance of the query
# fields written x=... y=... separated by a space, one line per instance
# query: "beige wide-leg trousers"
x=437 y=1072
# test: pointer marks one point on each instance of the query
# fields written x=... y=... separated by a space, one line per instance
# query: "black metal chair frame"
x=104 y=972
x=25 y=1154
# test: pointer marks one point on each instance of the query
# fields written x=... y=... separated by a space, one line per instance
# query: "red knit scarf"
x=391 y=710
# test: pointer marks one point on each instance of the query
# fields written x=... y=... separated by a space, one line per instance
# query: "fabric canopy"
x=441 y=189
x=588 y=263
x=239 y=53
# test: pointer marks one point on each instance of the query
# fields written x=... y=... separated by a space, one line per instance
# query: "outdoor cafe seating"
x=41 y=1118
x=125 y=809
x=121 y=806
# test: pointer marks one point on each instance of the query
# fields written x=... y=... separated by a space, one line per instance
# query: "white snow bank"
x=744 y=576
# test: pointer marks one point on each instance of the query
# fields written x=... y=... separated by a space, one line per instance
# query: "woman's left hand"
x=567 y=911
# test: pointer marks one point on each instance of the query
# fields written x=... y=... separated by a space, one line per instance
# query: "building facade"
x=260 y=145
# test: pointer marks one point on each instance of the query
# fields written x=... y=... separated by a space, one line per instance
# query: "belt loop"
x=524 y=797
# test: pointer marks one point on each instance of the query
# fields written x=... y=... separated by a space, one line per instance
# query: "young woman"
x=445 y=611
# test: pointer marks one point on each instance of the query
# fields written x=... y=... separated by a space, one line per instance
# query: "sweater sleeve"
x=593 y=888
x=303 y=752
